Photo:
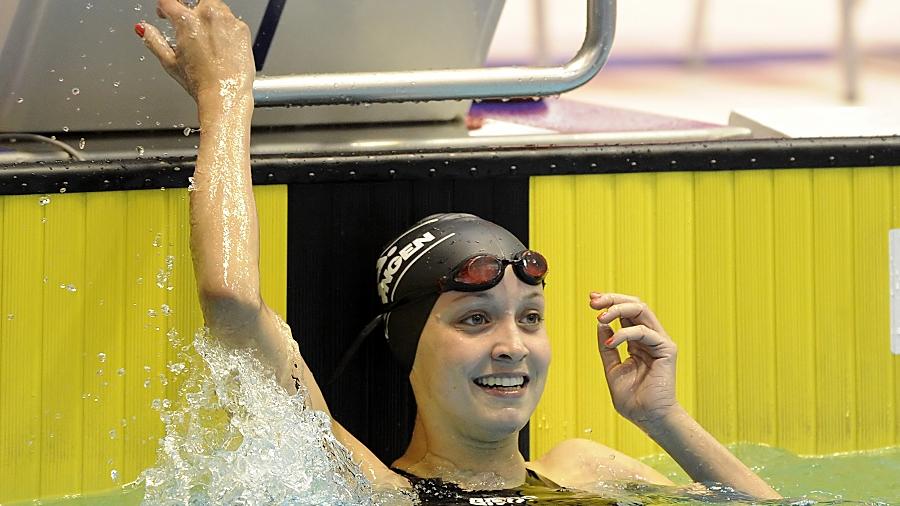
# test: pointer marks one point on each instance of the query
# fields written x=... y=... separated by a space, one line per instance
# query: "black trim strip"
x=266 y=33
x=31 y=178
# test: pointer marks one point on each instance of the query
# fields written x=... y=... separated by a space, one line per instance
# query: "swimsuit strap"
x=534 y=479
x=531 y=478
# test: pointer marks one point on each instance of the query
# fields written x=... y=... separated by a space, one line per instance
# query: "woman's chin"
x=504 y=422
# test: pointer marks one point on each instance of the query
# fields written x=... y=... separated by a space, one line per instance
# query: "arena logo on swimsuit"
x=393 y=266
x=492 y=501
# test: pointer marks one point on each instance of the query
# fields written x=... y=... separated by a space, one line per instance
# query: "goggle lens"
x=534 y=266
x=479 y=271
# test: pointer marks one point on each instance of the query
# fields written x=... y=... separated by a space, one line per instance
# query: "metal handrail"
x=451 y=84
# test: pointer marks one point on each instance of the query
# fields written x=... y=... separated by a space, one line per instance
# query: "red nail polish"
x=609 y=342
x=139 y=29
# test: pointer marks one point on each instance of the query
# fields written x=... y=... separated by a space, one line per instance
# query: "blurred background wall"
x=650 y=29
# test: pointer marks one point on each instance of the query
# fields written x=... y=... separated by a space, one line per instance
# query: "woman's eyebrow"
x=464 y=295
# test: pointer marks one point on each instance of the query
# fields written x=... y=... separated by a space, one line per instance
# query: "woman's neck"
x=454 y=458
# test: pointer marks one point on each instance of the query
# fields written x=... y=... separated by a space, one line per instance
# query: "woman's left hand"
x=643 y=386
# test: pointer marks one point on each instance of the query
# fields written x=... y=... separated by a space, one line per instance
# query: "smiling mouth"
x=502 y=383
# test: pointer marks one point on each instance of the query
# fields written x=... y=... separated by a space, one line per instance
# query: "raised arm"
x=643 y=391
x=213 y=61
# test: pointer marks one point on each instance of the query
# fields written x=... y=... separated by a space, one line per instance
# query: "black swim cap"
x=415 y=261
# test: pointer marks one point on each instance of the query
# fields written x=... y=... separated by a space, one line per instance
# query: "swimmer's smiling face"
x=482 y=360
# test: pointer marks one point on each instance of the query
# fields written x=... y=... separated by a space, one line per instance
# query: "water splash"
x=236 y=437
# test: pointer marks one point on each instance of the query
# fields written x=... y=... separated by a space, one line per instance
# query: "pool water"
x=870 y=478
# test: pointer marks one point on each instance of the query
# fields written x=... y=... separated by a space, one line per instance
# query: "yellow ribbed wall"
x=79 y=279
x=774 y=284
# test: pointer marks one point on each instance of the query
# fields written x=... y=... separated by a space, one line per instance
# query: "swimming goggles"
x=479 y=273
x=483 y=272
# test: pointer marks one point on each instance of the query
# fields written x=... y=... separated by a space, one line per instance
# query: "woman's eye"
x=475 y=319
x=532 y=319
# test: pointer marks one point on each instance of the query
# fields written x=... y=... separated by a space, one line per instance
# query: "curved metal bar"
x=453 y=84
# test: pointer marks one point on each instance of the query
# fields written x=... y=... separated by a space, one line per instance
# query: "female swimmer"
x=463 y=303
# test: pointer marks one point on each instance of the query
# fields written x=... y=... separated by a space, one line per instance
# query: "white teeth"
x=490 y=381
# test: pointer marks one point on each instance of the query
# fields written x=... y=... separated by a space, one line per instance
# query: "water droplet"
x=187 y=131
x=10 y=317
x=137 y=8
x=114 y=475
x=121 y=371
x=146 y=383
x=101 y=357
x=65 y=128
x=166 y=310
x=112 y=29
x=116 y=84
x=112 y=435
x=44 y=200
x=151 y=313
x=177 y=368
x=61 y=80
x=69 y=287
x=157 y=241
x=191 y=186
x=81 y=143
x=140 y=150
x=20 y=100
x=62 y=190
x=89 y=6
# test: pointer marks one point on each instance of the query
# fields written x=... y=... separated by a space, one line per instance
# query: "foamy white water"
x=235 y=437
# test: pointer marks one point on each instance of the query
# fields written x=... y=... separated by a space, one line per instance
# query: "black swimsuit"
x=438 y=491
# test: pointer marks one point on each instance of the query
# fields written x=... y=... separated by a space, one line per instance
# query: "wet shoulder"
x=581 y=463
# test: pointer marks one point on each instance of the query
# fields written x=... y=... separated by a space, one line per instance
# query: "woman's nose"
x=510 y=346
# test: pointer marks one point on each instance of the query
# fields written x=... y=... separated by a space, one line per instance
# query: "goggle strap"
x=351 y=351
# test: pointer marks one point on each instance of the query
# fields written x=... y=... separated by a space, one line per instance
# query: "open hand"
x=643 y=386
x=212 y=52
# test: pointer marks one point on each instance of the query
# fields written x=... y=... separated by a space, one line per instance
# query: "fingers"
x=609 y=356
x=157 y=44
x=654 y=344
x=173 y=10
x=605 y=300
x=631 y=310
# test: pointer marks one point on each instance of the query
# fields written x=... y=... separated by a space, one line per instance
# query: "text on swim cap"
x=392 y=266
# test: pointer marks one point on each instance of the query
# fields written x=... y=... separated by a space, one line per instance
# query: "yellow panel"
x=63 y=336
x=271 y=202
x=181 y=290
x=633 y=234
x=594 y=217
x=145 y=344
x=874 y=390
x=104 y=339
x=675 y=291
x=896 y=224
x=126 y=256
x=755 y=295
x=21 y=347
x=715 y=310
x=834 y=257
x=552 y=421
x=794 y=311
